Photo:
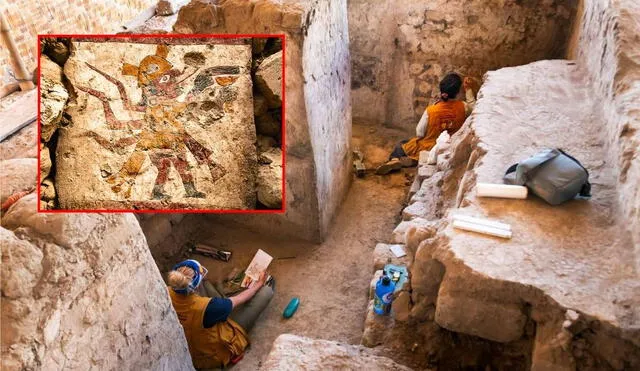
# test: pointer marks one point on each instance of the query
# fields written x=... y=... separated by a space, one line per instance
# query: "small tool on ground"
x=211 y=252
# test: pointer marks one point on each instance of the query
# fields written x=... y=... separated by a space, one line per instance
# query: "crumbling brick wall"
x=28 y=18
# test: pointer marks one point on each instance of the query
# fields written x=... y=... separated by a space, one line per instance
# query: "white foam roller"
x=482 y=221
x=491 y=231
x=501 y=190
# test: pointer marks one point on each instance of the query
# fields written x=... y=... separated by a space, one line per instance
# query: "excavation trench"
x=329 y=278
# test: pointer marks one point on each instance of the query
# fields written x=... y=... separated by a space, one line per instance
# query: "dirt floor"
x=331 y=279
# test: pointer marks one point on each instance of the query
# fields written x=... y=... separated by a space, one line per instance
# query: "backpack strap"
x=519 y=173
x=585 y=191
x=510 y=174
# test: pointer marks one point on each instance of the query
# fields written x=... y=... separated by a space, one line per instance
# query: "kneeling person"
x=215 y=327
x=447 y=114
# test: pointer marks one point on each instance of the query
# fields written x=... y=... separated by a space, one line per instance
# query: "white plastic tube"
x=482 y=221
x=491 y=231
x=501 y=190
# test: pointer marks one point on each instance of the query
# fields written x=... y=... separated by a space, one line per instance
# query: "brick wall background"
x=28 y=18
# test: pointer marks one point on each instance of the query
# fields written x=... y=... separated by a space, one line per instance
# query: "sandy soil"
x=331 y=279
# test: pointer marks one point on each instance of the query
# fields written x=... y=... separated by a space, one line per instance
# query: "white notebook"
x=259 y=264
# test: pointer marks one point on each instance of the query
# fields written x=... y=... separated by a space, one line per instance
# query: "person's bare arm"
x=247 y=294
x=470 y=98
x=421 y=129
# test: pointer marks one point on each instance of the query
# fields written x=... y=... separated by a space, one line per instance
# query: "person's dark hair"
x=450 y=86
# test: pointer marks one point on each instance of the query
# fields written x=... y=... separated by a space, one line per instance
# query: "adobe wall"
x=400 y=50
x=318 y=121
x=605 y=42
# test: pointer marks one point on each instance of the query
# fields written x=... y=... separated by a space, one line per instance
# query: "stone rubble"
x=270 y=179
x=292 y=352
x=82 y=291
x=269 y=79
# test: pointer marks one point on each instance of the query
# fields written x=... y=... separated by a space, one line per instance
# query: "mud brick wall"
x=401 y=50
x=28 y=18
x=605 y=41
x=318 y=168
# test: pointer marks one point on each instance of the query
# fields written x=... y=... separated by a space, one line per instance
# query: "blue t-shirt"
x=217 y=310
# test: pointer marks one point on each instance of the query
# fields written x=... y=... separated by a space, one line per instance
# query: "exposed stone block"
x=376 y=328
x=269 y=79
x=415 y=187
x=398 y=235
x=45 y=162
x=423 y=157
x=53 y=97
x=415 y=210
x=167 y=7
x=502 y=322
x=270 y=179
x=291 y=352
x=401 y=306
x=47 y=190
x=372 y=284
x=383 y=255
x=199 y=16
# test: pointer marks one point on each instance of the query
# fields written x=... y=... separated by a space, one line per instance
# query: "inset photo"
x=161 y=122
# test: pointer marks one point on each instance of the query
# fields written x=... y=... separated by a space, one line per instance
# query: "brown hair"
x=181 y=277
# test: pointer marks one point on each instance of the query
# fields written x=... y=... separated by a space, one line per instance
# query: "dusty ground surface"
x=331 y=279
x=21 y=143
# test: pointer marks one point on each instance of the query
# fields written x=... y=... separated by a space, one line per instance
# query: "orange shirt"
x=443 y=116
x=212 y=347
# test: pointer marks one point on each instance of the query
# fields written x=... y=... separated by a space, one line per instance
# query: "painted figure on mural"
x=161 y=134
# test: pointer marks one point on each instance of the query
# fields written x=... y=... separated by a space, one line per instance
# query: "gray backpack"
x=552 y=175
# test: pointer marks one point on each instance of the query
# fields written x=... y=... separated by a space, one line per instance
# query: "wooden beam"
x=14 y=57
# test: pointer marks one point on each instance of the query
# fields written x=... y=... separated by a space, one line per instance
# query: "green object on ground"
x=291 y=308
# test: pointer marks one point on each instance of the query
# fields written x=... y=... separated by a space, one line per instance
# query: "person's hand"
x=262 y=279
x=260 y=282
x=468 y=83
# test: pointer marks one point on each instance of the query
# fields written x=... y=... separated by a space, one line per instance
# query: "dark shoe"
x=389 y=166
x=408 y=162
x=271 y=282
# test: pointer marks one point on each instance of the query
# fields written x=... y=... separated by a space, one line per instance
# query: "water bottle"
x=384 y=295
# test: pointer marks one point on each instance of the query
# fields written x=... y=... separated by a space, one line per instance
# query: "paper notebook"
x=258 y=265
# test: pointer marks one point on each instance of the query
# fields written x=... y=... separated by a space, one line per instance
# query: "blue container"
x=384 y=295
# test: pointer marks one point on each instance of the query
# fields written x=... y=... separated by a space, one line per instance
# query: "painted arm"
x=117 y=145
x=470 y=98
x=421 y=129
x=112 y=121
x=470 y=102
x=123 y=93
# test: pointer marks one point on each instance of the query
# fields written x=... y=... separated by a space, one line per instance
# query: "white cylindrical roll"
x=501 y=190
x=482 y=221
x=481 y=229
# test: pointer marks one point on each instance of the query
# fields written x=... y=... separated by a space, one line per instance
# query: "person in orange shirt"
x=215 y=327
x=447 y=113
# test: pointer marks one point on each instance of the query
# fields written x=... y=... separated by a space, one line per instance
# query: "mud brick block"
x=426 y=171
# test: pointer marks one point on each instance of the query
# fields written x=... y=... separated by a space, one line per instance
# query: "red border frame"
x=179 y=211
